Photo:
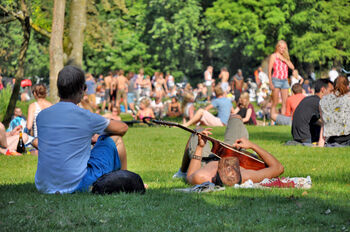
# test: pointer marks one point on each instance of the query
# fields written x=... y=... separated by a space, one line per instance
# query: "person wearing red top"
x=278 y=79
x=292 y=103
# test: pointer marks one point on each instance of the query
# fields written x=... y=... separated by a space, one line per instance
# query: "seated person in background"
x=39 y=93
x=335 y=112
x=188 y=107
x=145 y=109
x=296 y=78
x=199 y=165
x=115 y=115
x=306 y=125
x=245 y=109
x=221 y=103
x=66 y=163
x=306 y=87
x=292 y=103
x=157 y=107
x=174 y=108
x=9 y=140
x=17 y=120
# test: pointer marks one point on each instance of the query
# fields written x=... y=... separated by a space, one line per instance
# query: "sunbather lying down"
x=9 y=140
x=199 y=165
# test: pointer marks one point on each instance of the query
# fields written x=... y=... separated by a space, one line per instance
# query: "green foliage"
x=156 y=157
x=183 y=37
x=5 y=95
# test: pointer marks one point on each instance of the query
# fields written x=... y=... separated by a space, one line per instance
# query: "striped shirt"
x=280 y=69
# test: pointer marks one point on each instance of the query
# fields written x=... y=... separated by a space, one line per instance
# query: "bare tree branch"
x=19 y=15
x=7 y=19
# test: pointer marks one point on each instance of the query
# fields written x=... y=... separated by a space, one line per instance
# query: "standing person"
x=114 y=89
x=122 y=85
x=335 y=112
x=91 y=89
x=264 y=79
x=108 y=83
x=66 y=163
x=39 y=93
x=306 y=124
x=237 y=84
x=224 y=107
x=138 y=84
x=224 y=76
x=278 y=79
x=208 y=80
x=131 y=92
x=170 y=81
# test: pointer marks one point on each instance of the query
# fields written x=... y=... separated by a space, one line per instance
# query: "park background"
x=182 y=37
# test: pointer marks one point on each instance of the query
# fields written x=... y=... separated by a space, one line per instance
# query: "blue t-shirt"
x=223 y=105
x=64 y=132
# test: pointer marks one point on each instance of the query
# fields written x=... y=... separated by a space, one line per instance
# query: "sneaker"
x=180 y=174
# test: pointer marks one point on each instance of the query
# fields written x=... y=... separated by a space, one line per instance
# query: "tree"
x=77 y=24
x=21 y=13
x=56 y=46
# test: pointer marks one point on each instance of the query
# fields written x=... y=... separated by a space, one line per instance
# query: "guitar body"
x=221 y=149
x=245 y=159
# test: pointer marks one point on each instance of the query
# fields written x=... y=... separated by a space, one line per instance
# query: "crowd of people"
x=318 y=115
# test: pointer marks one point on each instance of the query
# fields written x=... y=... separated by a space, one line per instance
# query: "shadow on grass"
x=23 y=208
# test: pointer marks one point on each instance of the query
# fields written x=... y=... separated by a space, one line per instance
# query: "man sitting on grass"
x=199 y=165
x=66 y=163
x=221 y=103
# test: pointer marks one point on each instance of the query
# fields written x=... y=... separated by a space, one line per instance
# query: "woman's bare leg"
x=3 y=141
x=284 y=93
x=275 y=98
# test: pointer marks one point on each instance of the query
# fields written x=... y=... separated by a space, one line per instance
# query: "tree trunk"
x=77 y=24
x=56 y=46
x=25 y=23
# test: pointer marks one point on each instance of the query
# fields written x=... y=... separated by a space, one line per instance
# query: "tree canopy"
x=183 y=37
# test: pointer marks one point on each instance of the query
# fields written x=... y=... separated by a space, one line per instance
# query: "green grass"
x=155 y=153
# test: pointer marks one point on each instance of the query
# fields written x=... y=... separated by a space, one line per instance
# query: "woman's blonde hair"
x=286 y=53
x=245 y=95
x=146 y=101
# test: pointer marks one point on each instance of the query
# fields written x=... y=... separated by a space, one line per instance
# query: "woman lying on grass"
x=202 y=166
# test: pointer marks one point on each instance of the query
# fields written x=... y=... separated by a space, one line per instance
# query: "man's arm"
x=274 y=169
x=116 y=128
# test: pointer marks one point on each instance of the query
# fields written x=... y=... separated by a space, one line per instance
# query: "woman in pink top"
x=278 y=79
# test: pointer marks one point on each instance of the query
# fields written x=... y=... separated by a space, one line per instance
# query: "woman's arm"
x=30 y=120
x=247 y=115
x=236 y=110
x=288 y=62
x=271 y=62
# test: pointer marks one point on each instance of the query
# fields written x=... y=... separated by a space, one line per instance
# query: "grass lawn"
x=155 y=153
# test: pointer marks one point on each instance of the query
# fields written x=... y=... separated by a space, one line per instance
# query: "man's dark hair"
x=70 y=82
x=297 y=88
x=321 y=83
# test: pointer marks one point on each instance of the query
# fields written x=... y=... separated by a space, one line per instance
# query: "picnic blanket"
x=279 y=182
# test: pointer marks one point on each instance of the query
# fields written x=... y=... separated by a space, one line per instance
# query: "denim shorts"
x=280 y=84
